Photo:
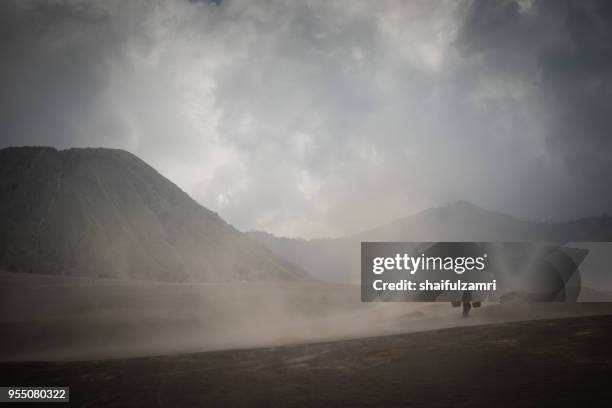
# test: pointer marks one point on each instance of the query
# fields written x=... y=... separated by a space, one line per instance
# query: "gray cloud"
x=316 y=118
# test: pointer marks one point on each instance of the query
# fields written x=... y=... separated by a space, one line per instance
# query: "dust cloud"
x=71 y=318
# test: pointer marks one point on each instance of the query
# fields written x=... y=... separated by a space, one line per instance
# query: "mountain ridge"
x=337 y=259
x=106 y=213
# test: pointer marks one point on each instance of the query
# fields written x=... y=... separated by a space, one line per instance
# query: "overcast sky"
x=320 y=118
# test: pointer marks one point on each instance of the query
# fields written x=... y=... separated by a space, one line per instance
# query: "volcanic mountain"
x=106 y=213
x=337 y=259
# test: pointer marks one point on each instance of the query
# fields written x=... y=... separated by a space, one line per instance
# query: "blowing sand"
x=53 y=318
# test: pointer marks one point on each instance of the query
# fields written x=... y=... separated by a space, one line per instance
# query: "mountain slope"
x=338 y=259
x=463 y=221
x=104 y=212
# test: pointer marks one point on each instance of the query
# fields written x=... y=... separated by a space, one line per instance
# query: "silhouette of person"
x=466 y=300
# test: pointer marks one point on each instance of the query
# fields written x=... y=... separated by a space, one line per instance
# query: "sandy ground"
x=61 y=318
x=49 y=318
x=118 y=343
x=560 y=362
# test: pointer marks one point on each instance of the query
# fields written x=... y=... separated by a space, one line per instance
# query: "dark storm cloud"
x=317 y=117
x=564 y=50
x=51 y=72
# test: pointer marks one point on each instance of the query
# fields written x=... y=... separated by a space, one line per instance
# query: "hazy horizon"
x=381 y=224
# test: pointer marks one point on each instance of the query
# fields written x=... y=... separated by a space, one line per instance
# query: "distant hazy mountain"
x=338 y=259
x=106 y=213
